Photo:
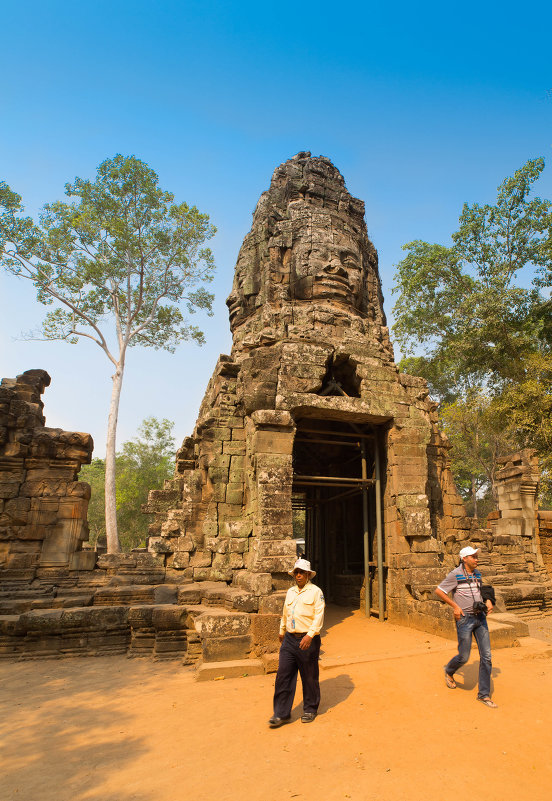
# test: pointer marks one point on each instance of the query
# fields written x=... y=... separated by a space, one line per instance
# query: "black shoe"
x=308 y=717
x=274 y=721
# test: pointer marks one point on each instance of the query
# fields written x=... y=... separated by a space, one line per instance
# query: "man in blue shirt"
x=470 y=611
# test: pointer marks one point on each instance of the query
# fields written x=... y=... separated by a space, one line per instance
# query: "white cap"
x=302 y=564
x=468 y=551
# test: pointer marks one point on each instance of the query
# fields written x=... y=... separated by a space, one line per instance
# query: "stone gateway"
x=308 y=440
x=308 y=431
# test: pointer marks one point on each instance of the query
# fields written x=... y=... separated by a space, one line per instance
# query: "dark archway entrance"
x=337 y=509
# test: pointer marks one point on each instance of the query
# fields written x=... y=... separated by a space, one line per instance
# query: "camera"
x=479 y=608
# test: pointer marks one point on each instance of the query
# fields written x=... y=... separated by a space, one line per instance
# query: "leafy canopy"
x=462 y=306
x=120 y=249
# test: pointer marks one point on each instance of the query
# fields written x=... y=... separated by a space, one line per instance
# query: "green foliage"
x=123 y=250
x=478 y=437
x=466 y=323
x=143 y=464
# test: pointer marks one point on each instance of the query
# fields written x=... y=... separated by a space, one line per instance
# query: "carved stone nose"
x=335 y=268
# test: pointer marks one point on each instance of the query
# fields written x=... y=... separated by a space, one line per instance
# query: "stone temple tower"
x=308 y=437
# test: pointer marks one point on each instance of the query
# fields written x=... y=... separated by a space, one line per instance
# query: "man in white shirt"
x=300 y=625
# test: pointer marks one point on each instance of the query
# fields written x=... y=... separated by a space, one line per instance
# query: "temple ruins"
x=308 y=438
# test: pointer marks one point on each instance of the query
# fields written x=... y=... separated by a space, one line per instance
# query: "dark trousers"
x=293 y=660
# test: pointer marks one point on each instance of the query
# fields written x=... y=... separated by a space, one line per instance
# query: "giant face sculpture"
x=308 y=242
x=327 y=265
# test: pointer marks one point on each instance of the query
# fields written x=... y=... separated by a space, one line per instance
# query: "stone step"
x=504 y=629
x=231 y=669
x=130 y=594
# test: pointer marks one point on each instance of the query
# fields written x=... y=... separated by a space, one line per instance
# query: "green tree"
x=472 y=318
x=142 y=464
x=462 y=306
x=119 y=263
x=478 y=437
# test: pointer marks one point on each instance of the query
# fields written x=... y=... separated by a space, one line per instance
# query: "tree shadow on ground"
x=59 y=740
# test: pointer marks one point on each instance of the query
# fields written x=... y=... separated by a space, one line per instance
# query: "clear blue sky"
x=421 y=107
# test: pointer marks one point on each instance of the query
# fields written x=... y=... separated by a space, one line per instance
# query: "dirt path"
x=115 y=729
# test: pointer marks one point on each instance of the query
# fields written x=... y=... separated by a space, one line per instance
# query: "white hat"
x=468 y=551
x=302 y=564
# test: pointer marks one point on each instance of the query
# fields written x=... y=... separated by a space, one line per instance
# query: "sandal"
x=487 y=701
x=451 y=684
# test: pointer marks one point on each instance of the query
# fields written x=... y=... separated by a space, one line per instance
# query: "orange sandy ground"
x=116 y=729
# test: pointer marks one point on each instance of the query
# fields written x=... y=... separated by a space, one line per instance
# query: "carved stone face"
x=328 y=270
x=308 y=243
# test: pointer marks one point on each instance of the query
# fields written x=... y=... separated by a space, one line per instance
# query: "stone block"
x=9 y=489
x=236 y=529
x=83 y=560
x=229 y=511
x=73 y=508
x=180 y=560
x=201 y=559
x=238 y=545
x=416 y=522
x=272 y=604
x=256 y=583
x=264 y=630
x=275 y=517
x=201 y=573
x=270 y=661
x=234 y=448
x=221 y=649
x=511 y=527
x=234 y=493
x=165 y=594
x=222 y=624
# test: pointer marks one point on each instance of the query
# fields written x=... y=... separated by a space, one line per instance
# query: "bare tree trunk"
x=474 y=496
x=113 y=545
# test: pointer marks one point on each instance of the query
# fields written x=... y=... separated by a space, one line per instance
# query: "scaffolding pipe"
x=379 y=534
x=357 y=435
x=334 y=479
x=367 y=582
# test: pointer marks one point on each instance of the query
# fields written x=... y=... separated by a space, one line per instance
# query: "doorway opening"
x=337 y=510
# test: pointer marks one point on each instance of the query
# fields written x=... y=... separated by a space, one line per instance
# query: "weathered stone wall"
x=545 y=538
x=43 y=505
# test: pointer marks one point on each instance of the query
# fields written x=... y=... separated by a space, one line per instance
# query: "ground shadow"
x=332 y=692
x=55 y=734
x=467 y=677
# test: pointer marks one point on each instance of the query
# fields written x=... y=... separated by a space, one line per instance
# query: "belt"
x=297 y=634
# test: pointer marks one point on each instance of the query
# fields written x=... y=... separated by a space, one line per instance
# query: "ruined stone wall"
x=545 y=538
x=43 y=505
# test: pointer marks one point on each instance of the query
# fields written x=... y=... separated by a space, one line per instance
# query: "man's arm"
x=283 y=622
x=455 y=608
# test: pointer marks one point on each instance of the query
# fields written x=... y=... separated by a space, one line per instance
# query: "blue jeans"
x=476 y=624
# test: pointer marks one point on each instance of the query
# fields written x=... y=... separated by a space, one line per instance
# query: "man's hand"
x=457 y=612
x=305 y=642
x=489 y=605
x=281 y=637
